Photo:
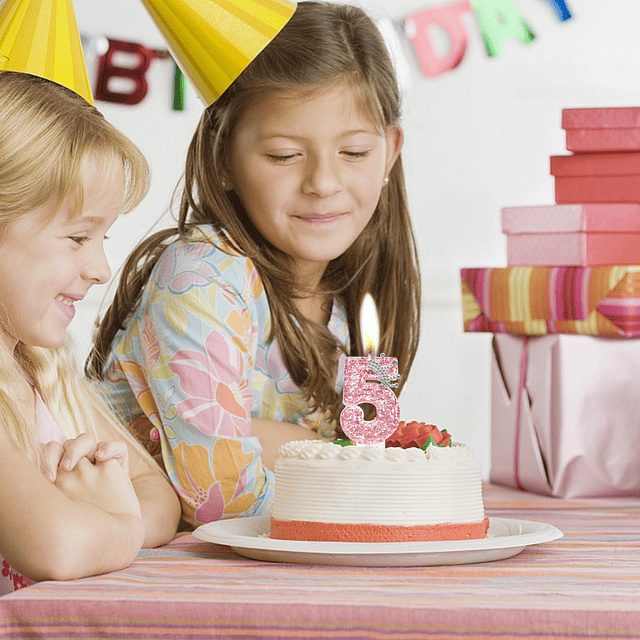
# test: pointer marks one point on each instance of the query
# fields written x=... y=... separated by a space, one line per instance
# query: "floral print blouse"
x=195 y=360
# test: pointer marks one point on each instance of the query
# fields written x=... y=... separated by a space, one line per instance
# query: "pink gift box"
x=572 y=234
x=597 y=177
x=603 y=130
x=575 y=431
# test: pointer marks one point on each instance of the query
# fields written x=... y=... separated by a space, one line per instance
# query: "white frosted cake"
x=325 y=491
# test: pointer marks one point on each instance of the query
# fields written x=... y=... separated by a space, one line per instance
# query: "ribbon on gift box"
x=522 y=381
x=603 y=301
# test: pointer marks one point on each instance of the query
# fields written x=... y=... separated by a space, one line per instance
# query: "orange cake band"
x=340 y=532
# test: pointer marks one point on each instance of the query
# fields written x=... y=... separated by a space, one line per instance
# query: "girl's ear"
x=395 y=139
x=225 y=181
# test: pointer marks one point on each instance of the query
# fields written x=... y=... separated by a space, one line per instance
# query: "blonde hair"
x=47 y=133
x=322 y=45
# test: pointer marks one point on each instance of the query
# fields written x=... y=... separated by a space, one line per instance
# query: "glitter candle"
x=369 y=380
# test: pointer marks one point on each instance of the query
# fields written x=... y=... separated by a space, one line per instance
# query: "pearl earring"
x=386 y=180
x=224 y=184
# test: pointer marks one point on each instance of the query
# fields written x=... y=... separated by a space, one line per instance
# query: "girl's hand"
x=113 y=450
x=50 y=456
x=105 y=485
x=273 y=434
x=55 y=456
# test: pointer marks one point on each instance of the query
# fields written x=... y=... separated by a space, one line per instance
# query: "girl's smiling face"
x=308 y=169
x=47 y=263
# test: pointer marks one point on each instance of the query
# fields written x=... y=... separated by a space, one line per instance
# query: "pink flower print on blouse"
x=210 y=484
x=137 y=378
x=177 y=277
x=150 y=340
x=19 y=581
x=218 y=397
x=277 y=370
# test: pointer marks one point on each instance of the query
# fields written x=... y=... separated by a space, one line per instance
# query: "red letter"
x=108 y=70
x=449 y=18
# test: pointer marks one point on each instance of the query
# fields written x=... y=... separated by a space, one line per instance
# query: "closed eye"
x=79 y=239
x=280 y=159
x=357 y=154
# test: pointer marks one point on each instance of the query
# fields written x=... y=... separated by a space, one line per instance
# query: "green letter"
x=499 y=20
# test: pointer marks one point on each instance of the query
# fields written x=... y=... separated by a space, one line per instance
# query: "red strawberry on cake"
x=418 y=434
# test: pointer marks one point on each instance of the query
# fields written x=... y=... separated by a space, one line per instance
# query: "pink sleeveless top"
x=48 y=430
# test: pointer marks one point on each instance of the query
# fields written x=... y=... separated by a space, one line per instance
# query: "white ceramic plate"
x=249 y=538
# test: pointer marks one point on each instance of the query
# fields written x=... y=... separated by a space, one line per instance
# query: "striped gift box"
x=599 y=301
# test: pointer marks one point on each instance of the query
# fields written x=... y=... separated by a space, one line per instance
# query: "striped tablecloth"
x=585 y=585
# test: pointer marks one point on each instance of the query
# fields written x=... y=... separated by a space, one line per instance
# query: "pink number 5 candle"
x=370 y=379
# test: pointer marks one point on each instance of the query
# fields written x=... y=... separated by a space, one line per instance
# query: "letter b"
x=135 y=74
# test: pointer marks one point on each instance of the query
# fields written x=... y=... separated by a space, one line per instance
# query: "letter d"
x=447 y=17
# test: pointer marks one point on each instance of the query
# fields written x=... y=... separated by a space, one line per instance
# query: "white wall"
x=478 y=138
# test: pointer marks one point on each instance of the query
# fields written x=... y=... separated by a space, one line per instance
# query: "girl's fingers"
x=72 y=451
x=84 y=446
x=50 y=456
x=113 y=450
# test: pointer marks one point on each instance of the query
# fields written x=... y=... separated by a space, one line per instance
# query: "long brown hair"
x=47 y=133
x=322 y=44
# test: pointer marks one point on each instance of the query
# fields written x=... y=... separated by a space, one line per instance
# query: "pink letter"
x=449 y=18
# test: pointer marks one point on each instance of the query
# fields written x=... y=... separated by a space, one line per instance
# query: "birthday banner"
x=498 y=21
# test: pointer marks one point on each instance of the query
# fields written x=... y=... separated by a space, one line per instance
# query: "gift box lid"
x=601 y=118
x=603 y=140
x=596 y=164
x=572 y=218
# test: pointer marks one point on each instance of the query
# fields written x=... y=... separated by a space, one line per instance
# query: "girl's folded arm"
x=159 y=502
x=89 y=524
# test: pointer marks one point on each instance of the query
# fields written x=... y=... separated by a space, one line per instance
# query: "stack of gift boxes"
x=565 y=314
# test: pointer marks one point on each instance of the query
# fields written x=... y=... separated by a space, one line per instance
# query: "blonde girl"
x=78 y=496
x=226 y=335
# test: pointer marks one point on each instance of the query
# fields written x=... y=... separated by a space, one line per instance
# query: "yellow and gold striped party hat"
x=41 y=37
x=213 y=41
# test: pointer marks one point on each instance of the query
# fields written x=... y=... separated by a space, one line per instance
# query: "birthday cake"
x=429 y=490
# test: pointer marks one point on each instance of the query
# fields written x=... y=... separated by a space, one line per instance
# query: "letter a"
x=499 y=20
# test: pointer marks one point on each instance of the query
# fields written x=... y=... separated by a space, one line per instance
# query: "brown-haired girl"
x=78 y=495
x=226 y=335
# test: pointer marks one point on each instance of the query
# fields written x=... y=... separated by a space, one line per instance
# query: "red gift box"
x=565 y=415
x=572 y=234
x=597 y=177
x=605 y=130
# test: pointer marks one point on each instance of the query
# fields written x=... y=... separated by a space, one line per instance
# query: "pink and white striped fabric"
x=585 y=585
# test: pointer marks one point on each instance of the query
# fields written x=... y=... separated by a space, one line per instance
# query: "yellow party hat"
x=213 y=41
x=41 y=37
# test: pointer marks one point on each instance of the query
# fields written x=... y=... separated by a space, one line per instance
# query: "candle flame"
x=369 y=326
